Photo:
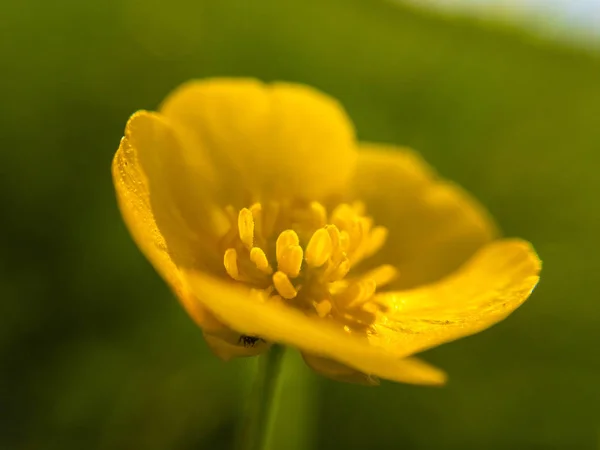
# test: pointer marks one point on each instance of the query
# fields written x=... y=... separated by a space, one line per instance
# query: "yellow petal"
x=341 y=372
x=146 y=202
x=273 y=139
x=497 y=280
x=236 y=307
x=338 y=371
x=434 y=226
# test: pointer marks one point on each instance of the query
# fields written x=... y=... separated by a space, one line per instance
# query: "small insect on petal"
x=249 y=341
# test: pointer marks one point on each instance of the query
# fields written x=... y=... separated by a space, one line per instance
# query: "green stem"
x=264 y=398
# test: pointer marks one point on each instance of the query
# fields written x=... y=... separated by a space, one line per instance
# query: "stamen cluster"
x=298 y=254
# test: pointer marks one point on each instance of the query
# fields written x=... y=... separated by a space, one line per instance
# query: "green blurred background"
x=96 y=353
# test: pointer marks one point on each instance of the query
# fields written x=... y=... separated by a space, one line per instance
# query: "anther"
x=359 y=236
x=359 y=207
x=314 y=274
x=230 y=212
x=319 y=214
x=376 y=240
x=323 y=308
x=270 y=214
x=319 y=248
x=342 y=216
x=334 y=234
x=259 y=258
x=230 y=263
x=284 y=240
x=358 y=293
x=344 y=241
x=256 y=211
x=339 y=272
x=246 y=227
x=290 y=261
x=370 y=307
x=382 y=275
x=284 y=286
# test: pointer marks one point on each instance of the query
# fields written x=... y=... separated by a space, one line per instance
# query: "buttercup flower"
x=272 y=224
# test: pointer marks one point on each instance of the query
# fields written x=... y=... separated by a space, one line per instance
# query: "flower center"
x=299 y=254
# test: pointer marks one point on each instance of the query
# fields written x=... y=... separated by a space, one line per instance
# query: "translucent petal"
x=264 y=140
x=338 y=371
x=434 y=226
x=341 y=372
x=497 y=280
x=147 y=202
x=275 y=322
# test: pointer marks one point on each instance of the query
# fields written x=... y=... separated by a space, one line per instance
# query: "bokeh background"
x=95 y=352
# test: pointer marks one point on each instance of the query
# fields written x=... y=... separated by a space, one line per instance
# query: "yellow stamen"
x=319 y=248
x=259 y=258
x=262 y=249
x=230 y=263
x=230 y=213
x=382 y=275
x=357 y=243
x=275 y=298
x=220 y=221
x=340 y=271
x=338 y=287
x=358 y=293
x=342 y=216
x=284 y=286
x=290 y=261
x=323 y=308
x=364 y=226
x=256 y=211
x=286 y=238
x=370 y=307
x=344 y=241
x=319 y=214
x=246 y=227
x=376 y=240
x=334 y=234
x=270 y=213
x=359 y=207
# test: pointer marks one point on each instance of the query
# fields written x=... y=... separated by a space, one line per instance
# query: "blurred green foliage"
x=95 y=352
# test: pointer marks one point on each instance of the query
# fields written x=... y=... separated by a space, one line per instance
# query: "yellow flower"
x=272 y=224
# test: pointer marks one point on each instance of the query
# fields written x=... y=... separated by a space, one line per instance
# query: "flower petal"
x=264 y=140
x=434 y=226
x=338 y=371
x=243 y=311
x=341 y=372
x=145 y=200
x=497 y=280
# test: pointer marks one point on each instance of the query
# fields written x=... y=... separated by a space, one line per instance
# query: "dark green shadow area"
x=95 y=352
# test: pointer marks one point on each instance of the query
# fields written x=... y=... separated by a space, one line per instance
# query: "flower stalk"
x=264 y=401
